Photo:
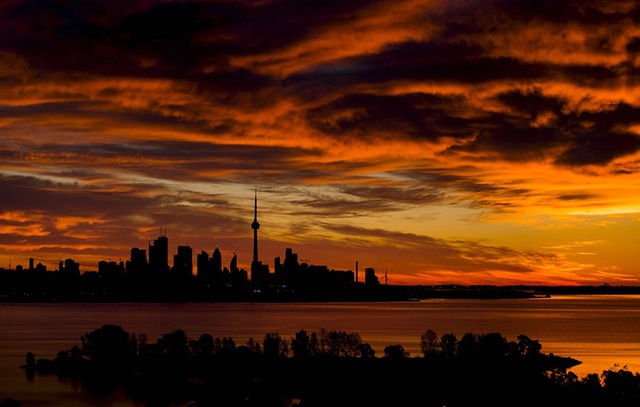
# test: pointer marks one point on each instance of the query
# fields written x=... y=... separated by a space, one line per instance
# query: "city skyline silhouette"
x=432 y=140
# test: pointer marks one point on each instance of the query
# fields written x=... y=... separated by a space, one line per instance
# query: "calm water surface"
x=601 y=331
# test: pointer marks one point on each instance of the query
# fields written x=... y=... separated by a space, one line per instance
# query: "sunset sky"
x=472 y=142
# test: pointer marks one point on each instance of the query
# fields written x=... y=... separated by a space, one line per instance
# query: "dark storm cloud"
x=512 y=143
x=101 y=111
x=177 y=38
x=415 y=61
x=486 y=16
x=100 y=37
x=194 y=42
x=508 y=135
x=193 y=161
x=604 y=139
x=27 y=194
x=181 y=161
x=594 y=148
x=418 y=115
x=584 y=138
x=531 y=103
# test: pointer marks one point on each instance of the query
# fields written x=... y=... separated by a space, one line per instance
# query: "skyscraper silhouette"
x=183 y=261
x=159 y=254
x=216 y=262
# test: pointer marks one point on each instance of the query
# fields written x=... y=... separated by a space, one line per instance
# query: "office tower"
x=216 y=262
x=138 y=262
x=183 y=261
x=203 y=265
x=233 y=265
x=159 y=254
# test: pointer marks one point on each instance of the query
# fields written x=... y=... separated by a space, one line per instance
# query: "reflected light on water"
x=600 y=331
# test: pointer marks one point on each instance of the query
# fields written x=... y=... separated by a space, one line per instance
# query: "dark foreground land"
x=332 y=368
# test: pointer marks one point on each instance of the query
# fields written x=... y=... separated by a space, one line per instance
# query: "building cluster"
x=67 y=267
x=209 y=269
x=289 y=274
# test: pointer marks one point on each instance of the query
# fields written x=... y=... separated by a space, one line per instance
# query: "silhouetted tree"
x=468 y=345
x=174 y=344
x=621 y=382
x=561 y=377
x=336 y=342
x=162 y=376
x=492 y=345
x=429 y=343
x=254 y=346
x=395 y=352
x=366 y=351
x=228 y=344
x=204 y=345
x=300 y=344
x=340 y=343
x=592 y=381
x=143 y=344
x=323 y=341
x=448 y=344
x=314 y=344
x=274 y=346
x=527 y=346
x=109 y=347
x=352 y=344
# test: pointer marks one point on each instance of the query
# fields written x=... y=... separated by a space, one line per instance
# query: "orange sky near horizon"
x=445 y=142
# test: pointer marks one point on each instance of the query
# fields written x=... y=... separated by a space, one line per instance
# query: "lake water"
x=599 y=330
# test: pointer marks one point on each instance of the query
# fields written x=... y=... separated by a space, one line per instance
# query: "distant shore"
x=277 y=294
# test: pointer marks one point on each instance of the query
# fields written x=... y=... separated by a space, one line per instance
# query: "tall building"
x=259 y=271
x=370 y=278
x=203 y=265
x=159 y=254
x=69 y=267
x=233 y=265
x=183 y=261
x=255 y=226
x=291 y=264
x=216 y=262
x=138 y=263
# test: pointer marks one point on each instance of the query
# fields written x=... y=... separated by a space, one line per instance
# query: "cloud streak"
x=472 y=140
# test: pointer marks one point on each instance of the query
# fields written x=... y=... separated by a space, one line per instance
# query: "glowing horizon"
x=447 y=142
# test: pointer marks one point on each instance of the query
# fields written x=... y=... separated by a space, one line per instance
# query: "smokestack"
x=356 y=271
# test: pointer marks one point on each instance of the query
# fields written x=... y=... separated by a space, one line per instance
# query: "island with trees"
x=331 y=368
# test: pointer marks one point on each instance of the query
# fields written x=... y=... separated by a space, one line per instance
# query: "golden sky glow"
x=488 y=142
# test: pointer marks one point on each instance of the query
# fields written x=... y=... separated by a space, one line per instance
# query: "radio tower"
x=255 y=226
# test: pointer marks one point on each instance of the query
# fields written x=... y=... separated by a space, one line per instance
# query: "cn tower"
x=255 y=226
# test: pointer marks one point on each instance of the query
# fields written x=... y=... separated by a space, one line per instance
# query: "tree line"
x=332 y=368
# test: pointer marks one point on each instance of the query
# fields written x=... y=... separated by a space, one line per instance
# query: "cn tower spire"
x=255 y=226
